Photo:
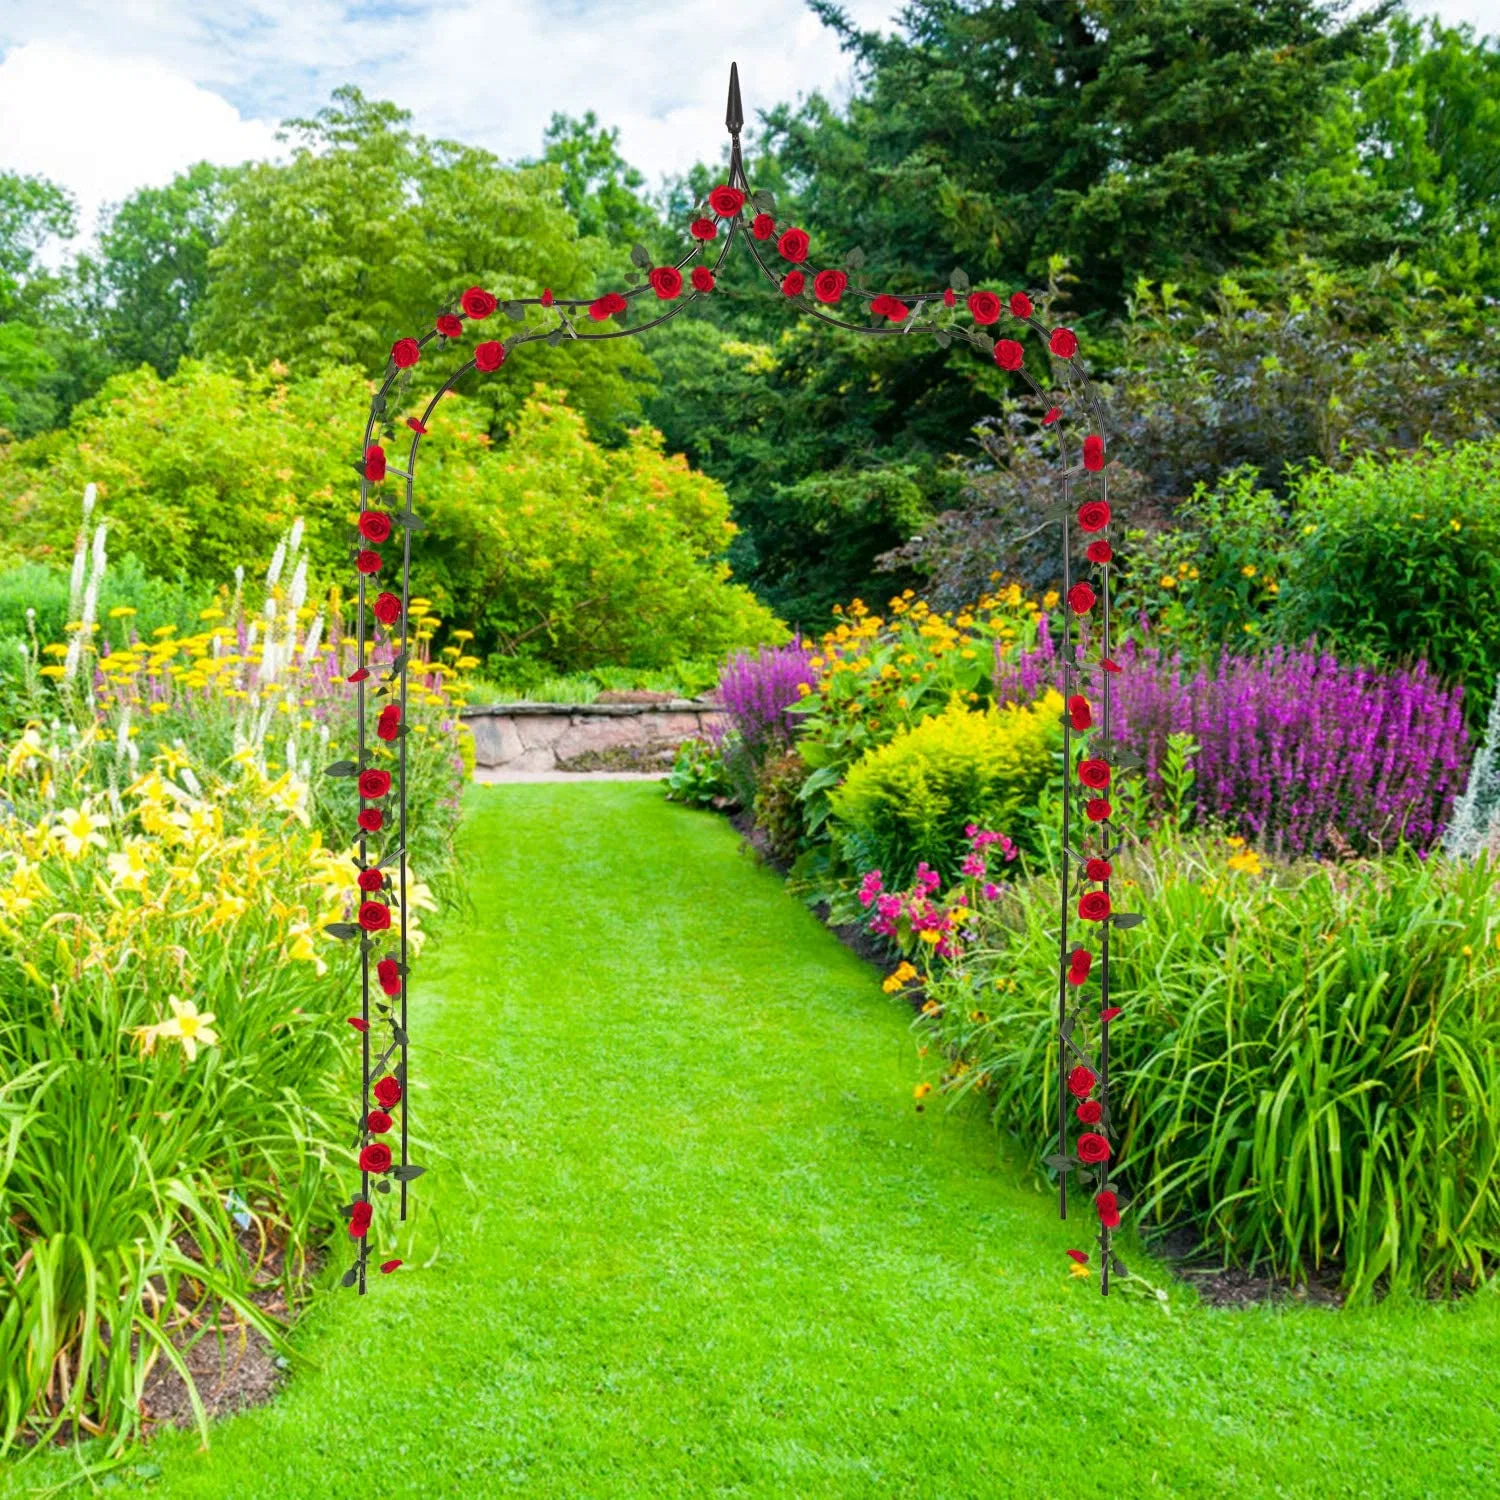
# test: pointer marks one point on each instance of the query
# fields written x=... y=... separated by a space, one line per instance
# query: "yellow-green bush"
x=910 y=799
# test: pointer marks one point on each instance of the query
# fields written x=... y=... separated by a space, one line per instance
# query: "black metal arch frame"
x=1085 y=661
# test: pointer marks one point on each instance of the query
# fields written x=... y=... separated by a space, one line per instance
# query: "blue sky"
x=107 y=95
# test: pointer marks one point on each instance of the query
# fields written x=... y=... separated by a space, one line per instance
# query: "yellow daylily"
x=77 y=830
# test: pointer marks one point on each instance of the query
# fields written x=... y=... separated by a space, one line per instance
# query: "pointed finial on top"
x=734 y=116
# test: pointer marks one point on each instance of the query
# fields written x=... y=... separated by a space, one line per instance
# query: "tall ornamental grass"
x=1307 y=1067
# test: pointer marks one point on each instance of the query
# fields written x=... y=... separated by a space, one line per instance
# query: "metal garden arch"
x=1089 y=830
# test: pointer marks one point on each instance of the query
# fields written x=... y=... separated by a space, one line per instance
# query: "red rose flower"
x=370 y=880
x=1100 y=552
x=1079 y=712
x=405 y=353
x=763 y=226
x=387 y=609
x=726 y=201
x=792 y=284
x=1093 y=515
x=387 y=1266
x=1080 y=961
x=1093 y=452
x=371 y=819
x=477 y=303
x=374 y=463
x=1092 y=1148
x=703 y=279
x=1097 y=810
x=450 y=326
x=489 y=356
x=416 y=426
x=1053 y=413
x=547 y=298
x=359 y=1220
x=1097 y=869
x=367 y=562
x=374 y=916
x=374 y=525
x=1009 y=355
x=1020 y=305
x=606 y=306
x=1109 y=1209
x=703 y=229
x=388 y=973
x=1094 y=774
x=1063 y=343
x=1090 y=1112
x=950 y=297
x=666 y=282
x=1081 y=1082
x=1110 y=666
x=388 y=726
x=793 y=245
x=374 y=783
x=358 y=1023
x=984 y=307
x=1111 y=1013
x=1079 y=1256
x=378 y=1121
x=887 y=306
x=1093 y=906
x=828 y=286
x=1081 y=598
x=388 y=1091
x=376 y=1157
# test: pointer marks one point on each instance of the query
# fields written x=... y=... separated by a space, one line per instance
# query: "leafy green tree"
x=370 y=230
x=151 y=270
x=1426 y=115
x=603 y=192
x=1168 y=138
x=549 y=545
x=33 y=211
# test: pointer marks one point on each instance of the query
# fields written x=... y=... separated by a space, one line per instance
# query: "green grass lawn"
x=684 y=1233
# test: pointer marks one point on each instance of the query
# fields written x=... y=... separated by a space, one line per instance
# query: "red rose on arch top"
x=374 y=463
x=1020 y=305
x=359 y=1219
x=703 y=279
x=1094 y=774
x=984 y=307
x=374 y=916
x=1100 y=552
x=1109 y=1209
x=666 y=282
x=828 y=286
x=368 y=563
x=387 y=609
x=793 y=245
x=477 y=303
x=405 y=353
x=370 y=880
x=763 y=226
x=1097 y=810
x=792 y=284
x=1093 y=453
x=887 y=306
x=371 y=819
x=726 y=201
x=378 y=1121
x=489 y=356
x=1081 y=598
x=1080 y=715
x=388 y=973
x=703 y=229
x=1063 y=343
x=1090 y=1112
x=1009 y=355
x=449 y=326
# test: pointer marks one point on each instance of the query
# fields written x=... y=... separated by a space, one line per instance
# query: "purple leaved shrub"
x=1296 y=750
x=756 y=689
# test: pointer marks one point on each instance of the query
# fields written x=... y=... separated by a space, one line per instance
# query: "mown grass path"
x=697 y=1241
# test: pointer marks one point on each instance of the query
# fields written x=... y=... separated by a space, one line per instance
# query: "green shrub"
x=779 y=810
x=698 y=777
x=1306 y=1069
x=910 y=799
x=1401 y=559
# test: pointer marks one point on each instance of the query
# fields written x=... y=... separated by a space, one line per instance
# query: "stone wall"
x=530 y=737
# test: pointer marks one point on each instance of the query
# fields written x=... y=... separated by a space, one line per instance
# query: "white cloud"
x=105 y=97
x=105 y=125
